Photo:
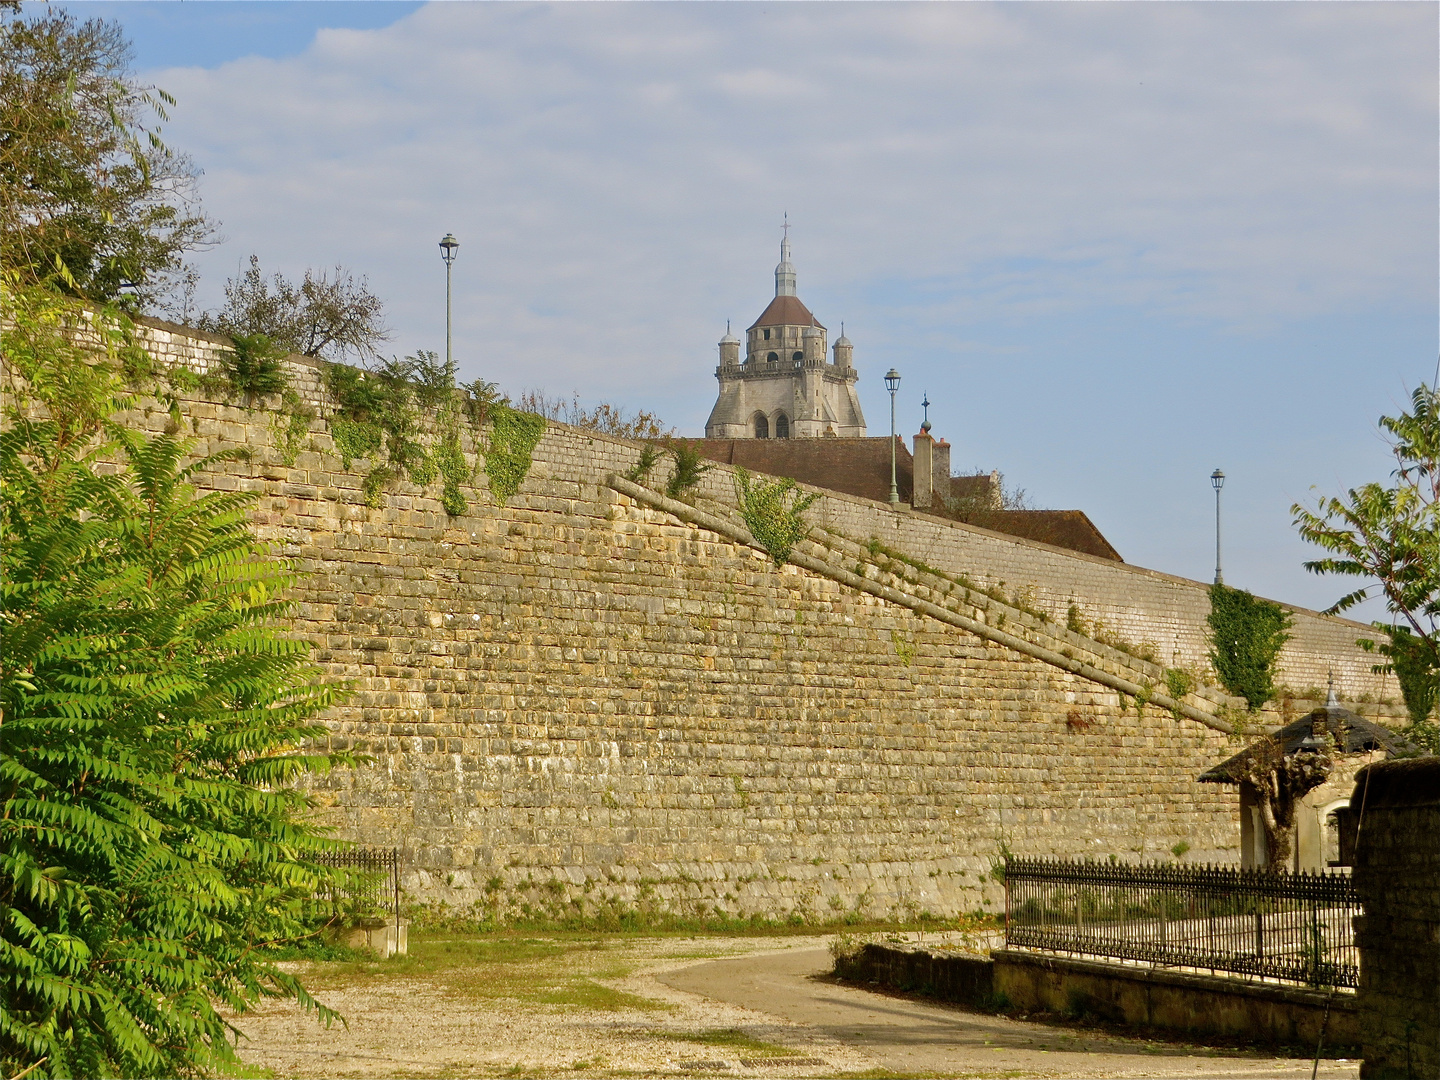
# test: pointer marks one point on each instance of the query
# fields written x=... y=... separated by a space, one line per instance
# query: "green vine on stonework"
x=378 y=419
x=774 y=513
x=253 y=367
x=513 y=438
x=290 y=427
x=1246 y=636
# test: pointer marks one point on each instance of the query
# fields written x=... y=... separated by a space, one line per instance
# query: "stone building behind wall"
x=785 y=388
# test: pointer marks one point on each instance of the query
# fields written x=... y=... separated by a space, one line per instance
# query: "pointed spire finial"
x=785 y=273
x=925 y=424
x=1332 y=701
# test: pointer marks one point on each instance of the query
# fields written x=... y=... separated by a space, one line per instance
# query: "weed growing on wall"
x=1246 y=636
x=1178 y=683
x=513 y=438
x=689 y=468
x=253 y=367
x=290 y=427
x=640 y=471
x=379 y=419
x=774 y=512
x=905 y=650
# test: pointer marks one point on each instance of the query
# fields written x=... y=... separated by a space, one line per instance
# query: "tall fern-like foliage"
x=151 y=843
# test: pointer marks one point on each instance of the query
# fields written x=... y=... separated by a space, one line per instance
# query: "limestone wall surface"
x=575 y=700
x=1397 y=874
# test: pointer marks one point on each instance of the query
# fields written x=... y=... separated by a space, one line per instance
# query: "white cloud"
x=615 y=172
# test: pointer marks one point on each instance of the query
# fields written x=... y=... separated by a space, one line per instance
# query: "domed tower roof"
x=786 y=309
x=729 y=338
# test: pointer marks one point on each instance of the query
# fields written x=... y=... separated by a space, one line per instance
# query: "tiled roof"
x=1350 y=734
x=1070 y=529
x=855 y=466
x=786 y=311
x=862 y=467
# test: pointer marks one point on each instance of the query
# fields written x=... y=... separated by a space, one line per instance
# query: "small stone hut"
x=1323 y=836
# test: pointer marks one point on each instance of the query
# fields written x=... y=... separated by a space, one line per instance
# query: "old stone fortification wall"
x=577 y=699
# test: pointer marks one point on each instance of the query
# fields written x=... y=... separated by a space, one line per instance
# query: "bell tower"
x=786 y=387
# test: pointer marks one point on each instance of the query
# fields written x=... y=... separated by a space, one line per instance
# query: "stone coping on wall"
x=1405 y=782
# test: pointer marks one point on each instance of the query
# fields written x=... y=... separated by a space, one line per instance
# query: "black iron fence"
x=1293 y=927
x=369 y=882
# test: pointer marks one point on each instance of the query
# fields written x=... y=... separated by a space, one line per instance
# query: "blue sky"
x=1117 y=244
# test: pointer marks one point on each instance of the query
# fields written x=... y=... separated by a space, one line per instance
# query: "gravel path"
x=912 y=1037
x=676 y=1007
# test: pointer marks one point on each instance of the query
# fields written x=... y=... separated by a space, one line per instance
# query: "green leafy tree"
x=152 y=719
x=91 y=200
x=1388 y=536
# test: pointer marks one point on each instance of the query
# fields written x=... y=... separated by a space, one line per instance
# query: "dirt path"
x=671 y=1007
x=911 y=1037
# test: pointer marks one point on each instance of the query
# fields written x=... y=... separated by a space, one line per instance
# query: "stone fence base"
x=385 y=936
x=1195 y=1006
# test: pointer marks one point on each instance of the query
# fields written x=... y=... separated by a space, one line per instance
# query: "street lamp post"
x=892 y=383
x=1217 y=481
x=449 y=248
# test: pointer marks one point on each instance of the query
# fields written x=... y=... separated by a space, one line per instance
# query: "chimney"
x=940 y=472
x=923 y=466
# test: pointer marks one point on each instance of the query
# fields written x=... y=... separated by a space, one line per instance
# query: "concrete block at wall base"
x=1192 y=1005
x=385 y=937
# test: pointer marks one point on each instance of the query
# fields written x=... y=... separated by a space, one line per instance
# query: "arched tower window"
x=762 y=426
x=798 y=356
x=773 y=357
x=782 y=426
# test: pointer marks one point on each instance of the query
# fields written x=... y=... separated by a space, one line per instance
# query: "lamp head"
x=1217 y=479
x=892 y=380
x=449 y=247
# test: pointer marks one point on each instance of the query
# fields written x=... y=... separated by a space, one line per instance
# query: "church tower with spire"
x=785 y=388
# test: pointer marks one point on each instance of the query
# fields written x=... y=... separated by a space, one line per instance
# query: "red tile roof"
x=786 y=311
x=862 y=467
x=854 y=466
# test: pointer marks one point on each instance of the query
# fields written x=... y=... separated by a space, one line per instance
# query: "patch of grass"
x=732 y=1038
x=588 y=994
x=535 y=970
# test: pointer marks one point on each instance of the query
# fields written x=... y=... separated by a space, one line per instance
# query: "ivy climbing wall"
x=572 y=699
